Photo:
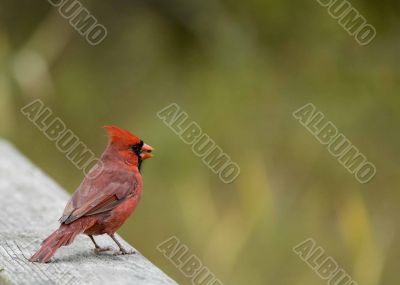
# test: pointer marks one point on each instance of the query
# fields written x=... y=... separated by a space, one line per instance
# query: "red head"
x=128 y=145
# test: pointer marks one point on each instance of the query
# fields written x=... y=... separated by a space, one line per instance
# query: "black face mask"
x=137 y=149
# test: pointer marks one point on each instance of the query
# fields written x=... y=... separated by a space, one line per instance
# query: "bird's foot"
x=102 y=249
x=124 y=252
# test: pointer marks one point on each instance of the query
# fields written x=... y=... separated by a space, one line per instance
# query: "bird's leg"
x=97 y=248
x=122 y=251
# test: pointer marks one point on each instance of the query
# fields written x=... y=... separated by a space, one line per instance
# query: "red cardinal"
x=102 y=204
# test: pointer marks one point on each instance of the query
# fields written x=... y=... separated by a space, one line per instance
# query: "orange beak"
x=146 y=152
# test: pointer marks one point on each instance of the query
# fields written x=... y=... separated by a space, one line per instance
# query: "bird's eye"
x=137 y=148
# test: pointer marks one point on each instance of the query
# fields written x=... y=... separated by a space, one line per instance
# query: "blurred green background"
x=239 y=69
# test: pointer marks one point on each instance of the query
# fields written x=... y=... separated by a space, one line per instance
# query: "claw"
x=124 y=252
x=102 y=249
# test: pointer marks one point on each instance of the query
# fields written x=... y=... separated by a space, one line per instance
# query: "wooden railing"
x=30 y=204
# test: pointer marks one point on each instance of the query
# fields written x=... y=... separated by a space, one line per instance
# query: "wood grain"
x=30 y=204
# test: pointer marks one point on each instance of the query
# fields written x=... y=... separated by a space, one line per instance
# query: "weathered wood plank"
x=30 y=204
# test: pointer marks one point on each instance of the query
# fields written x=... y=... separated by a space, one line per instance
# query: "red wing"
x=100 y=194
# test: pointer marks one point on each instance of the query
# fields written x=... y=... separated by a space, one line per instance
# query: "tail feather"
x=65 y=235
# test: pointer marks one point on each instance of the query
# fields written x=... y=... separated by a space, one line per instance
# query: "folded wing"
x=100 y=194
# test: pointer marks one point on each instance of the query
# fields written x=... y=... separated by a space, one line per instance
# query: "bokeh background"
x=239 y=69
